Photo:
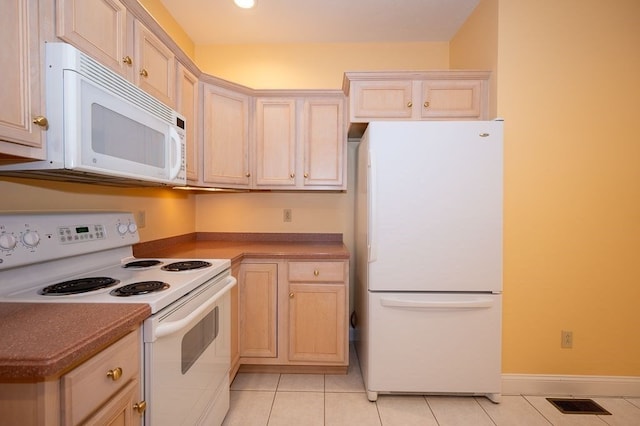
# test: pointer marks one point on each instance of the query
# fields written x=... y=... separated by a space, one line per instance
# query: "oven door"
x=187 y=358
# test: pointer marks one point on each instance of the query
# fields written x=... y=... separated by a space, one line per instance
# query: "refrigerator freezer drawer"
x=434 y=343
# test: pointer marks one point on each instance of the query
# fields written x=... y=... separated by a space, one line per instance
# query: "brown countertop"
x=238 y=246
x=44 y=340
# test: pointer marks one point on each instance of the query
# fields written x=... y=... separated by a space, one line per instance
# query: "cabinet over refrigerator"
x=429 y=257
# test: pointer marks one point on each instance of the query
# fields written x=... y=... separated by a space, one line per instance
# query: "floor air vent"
x=577 y=406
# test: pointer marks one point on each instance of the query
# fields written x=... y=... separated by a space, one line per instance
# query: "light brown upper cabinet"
x=22 y=118
x=419 y=95
x=187 y=104
x=225 y=138
x=300 y=142
x=105 y=30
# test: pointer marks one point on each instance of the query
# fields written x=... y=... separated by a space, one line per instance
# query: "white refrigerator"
x=429 y=257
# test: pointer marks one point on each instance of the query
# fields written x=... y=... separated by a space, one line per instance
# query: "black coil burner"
x=186 y=265
x=142 y=287
x=81 y=285
x=141 y=264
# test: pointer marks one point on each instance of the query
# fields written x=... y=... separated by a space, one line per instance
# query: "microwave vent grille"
x=111 y=81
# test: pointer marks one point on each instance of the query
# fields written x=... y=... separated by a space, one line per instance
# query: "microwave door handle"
x=177 y=151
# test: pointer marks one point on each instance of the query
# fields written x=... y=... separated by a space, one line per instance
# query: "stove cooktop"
x=174 y=283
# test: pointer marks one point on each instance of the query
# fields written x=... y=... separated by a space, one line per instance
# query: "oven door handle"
x=167 y=328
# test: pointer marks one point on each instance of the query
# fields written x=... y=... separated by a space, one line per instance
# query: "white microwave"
x=103 y=129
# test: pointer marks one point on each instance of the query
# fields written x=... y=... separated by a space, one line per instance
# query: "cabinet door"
x=458 y=99
x=20 y=85
x=155 y=65
x=381 y=99
x=187 y=105
x=98 y=28
x=226 y=137
x=324 y=143
x=317 y=322
x=121 y=409
x=275 y=161
x=258 y=288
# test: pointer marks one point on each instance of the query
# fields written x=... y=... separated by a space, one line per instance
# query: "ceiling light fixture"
x=245 y=4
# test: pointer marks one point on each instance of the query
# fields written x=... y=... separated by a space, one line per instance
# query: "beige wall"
x=567 y=87
x=170 y=25
x=314 y=66
x=168 y=212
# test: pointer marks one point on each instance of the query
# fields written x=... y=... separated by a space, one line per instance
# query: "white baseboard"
x=584 y=386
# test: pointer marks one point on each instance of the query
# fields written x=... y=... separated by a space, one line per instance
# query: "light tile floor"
x=336 y=400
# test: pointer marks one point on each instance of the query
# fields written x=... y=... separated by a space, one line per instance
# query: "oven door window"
x=198 y=339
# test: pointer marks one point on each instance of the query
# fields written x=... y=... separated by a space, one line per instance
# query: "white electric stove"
x=87 y=257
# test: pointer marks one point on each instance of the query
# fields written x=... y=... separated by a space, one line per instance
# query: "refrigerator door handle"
x=373 y=218
x=479 y=303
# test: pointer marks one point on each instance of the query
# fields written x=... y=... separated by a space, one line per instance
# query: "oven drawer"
x=317 y=271
x=92 y=384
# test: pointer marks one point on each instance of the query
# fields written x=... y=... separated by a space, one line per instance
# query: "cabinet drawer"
x=90 y=385
x=317 y=271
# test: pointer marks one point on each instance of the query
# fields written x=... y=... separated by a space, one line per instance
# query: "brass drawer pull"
x=115 y=374
x=41 y=121
x=409 y=104
x=140 y=407
x=316 y=272
x=127 y=60
x=144 y=73
x=426 y=104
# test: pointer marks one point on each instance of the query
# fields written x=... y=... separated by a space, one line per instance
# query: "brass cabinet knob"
x=409 y=104
x=306 y=175
x=291 y=295
x=316 y=272
x=426 y=104
x=140 y=407
x=127 y=60
x=247 y=174
x=144 y=73
x=292 y=175
x=115 y=374
x=41 y=121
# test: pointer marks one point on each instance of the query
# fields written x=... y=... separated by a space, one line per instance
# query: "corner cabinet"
x=225 y=137
x=293 y=315
x=426 y=95
x=22 y=120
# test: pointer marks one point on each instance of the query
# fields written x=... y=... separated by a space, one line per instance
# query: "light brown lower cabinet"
x=258 y=305
x=293 y=315
x=104 y=390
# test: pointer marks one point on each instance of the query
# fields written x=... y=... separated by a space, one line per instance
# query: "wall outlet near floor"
x=566 y=339
x=286 y=215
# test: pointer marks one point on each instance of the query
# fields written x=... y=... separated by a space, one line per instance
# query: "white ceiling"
x=320 y=21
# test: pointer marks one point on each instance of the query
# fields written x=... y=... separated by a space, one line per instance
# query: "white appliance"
x=102 y=128
x=429 y=257
x=47 y=258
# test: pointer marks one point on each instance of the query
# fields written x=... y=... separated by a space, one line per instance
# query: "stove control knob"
x=31 y=238
x=133 y=228
x=8 y=241
x=122 y=229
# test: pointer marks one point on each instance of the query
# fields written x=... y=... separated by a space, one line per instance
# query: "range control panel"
x=38 y=237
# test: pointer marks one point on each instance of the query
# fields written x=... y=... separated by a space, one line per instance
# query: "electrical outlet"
x=141 y=219
x=286 y=215
x=566 y=339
